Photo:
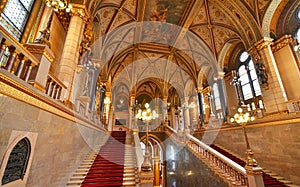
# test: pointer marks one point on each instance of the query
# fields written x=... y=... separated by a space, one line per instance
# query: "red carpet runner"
x=269 y=181
x=108 y=167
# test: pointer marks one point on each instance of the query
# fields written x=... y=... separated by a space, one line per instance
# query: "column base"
x=254 y=175
x=147 y=178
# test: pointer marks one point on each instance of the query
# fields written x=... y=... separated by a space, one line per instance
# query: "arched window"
x=297 y=34
x=248 y=78
x=17 y=162
x=15 y=15
x=216 y=96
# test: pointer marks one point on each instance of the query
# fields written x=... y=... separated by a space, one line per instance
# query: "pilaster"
x=186 y=115
x=274 y=94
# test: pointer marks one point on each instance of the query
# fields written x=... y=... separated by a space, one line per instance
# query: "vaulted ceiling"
x=180 y=42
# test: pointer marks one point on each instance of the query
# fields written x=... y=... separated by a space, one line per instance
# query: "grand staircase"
x=114 y=165
x=270 y=179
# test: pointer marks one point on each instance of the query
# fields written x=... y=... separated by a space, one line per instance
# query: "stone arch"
x=157 y=139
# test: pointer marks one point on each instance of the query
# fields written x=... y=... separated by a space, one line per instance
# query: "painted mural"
x=164 y=15
x=169 y=11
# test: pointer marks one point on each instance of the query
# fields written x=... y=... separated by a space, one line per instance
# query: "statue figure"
x=45 y=34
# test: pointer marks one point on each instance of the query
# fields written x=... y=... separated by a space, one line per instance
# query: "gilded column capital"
x=220 y=75
x=80 y=11
x=199 y=89
x=258 y=46
x=263 y=43
x=282 y=42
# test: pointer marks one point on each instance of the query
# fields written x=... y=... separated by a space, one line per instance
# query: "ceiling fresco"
x=189 y=34
x=169 y=11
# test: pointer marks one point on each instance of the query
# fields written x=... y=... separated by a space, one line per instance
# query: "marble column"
x=222 y=92
x=201 y=110
x=132 y=112
x=186 y=115
x=156 y=169
x=165 y=109
x=108 y=109
x=70 y=54
x=273 y=92
x=194 y=116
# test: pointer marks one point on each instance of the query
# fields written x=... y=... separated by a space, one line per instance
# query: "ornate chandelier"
x=59 y=5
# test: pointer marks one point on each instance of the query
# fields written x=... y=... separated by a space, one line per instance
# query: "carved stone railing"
x=15 y=58
x=29 y=66
x=231 y=172
x=54 y=87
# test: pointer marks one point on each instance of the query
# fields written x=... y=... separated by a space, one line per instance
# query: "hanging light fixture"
x=59 y=5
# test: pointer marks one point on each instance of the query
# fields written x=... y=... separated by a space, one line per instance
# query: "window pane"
x=216 y=90
x=298 y=35
x=251 y=65
x=244 y=56
x=247 y=92
x=244 y=79
x=216 y=96
x=27 y=4
x=256 y=88
x=9 y=27
x=15 y=13
x=253 y=74
x=242 y=70
x=218 y=103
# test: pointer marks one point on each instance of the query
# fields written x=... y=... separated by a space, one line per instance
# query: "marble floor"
x=185 y=170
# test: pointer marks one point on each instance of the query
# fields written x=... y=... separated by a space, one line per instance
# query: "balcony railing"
x=15 y=58
x=54 y=87
x=21 y=65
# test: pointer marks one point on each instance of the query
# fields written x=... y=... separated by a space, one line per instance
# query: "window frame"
x=246 y=63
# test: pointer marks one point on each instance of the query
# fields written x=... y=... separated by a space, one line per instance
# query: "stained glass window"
x=248 y=77
x=15 y=15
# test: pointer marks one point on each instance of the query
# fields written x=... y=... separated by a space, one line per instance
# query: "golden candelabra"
x=59 y=5
x=242 y=117
x=146 y=115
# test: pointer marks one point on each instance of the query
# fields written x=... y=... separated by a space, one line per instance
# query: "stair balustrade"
x=231 y=172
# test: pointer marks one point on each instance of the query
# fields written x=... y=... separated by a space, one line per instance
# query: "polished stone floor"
x=185 y=170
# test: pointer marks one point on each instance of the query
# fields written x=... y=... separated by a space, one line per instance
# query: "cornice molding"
x=40 y=49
